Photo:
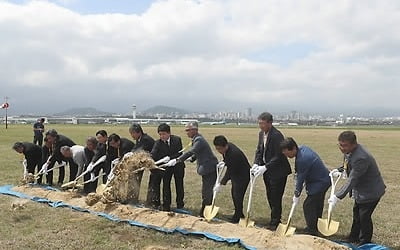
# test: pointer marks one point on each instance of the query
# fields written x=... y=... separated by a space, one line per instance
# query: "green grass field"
x=39 y=226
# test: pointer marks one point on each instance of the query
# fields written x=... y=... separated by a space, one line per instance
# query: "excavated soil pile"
x=256 y=237
x=125 y=186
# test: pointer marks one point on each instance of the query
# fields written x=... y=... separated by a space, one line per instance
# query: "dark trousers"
x=275 y=189
x=153 y=190
x=313 y=207
x=49 y=176
x=178 y=172
x=238 y=191
x=73 y=170
x=208 y=182
x=362 y=227
x=31 y=165
x=106 y=167
x=90 y=187
x=38 y=139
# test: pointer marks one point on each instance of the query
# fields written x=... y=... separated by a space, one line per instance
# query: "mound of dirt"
x=125 y=186
x=256 y=237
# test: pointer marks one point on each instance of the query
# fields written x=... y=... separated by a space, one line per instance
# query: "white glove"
x=295 y=199
x=43 y=170
x=114 y=162
x=220 y=165
x=129 y=154
x=110 y=176
x=25 y=172
x=333 y=200
x=258 y=170
x=90 y=167
x=92 y=177
x=217 y=187
x=335 y=173
x=163 y=160
x=253 y=168
x=171 y=163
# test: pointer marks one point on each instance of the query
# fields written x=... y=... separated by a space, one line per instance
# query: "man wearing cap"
x=38 y=129
x=206 y=162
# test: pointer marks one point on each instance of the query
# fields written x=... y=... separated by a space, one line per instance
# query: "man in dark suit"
x=272 y=164
x=38 y=129
x=102 y=149
x=143 y=142
x=238 y=171
x=167 y=145
x=120 y=145
x=206 y=162
x=33 y=156
x=57 y=141
x=90 y=151
x=364 y=184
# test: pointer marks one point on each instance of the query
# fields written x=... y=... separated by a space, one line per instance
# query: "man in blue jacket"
x=364 y=184
x=311 y=172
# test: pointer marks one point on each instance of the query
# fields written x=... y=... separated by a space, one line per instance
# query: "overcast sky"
x=203 y=55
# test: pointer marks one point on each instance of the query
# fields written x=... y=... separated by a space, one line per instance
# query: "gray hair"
x=64 y=149
x=192 y=125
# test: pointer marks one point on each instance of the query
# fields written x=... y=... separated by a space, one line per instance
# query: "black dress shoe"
x=166 y=208
x=272 y=226
x=352 y=240
x=234 y=220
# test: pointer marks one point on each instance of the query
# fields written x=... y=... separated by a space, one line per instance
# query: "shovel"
x=211 y=211
x=286 y=229
x=328 y=227
x=246 y=222
x=48 y=171
x=91 y=180
x=88 y=169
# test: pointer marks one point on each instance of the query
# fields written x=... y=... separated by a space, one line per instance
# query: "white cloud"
x=196 y=53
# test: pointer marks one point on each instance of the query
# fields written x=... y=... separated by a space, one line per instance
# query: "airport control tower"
x=134 y=111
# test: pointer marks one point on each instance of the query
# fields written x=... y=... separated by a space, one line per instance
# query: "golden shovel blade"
x=327 y=228
x=285 y=230
x=69 y=184
x=100 y=188
x=210 y=212
x=246 y=222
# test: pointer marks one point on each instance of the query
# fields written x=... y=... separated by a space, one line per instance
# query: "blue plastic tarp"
x=7 y=190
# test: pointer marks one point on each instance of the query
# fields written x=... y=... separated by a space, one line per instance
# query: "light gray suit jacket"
x=206 y=160
x=364 y=179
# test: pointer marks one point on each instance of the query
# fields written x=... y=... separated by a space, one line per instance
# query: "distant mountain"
x=164 y=110
x=83 y=112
